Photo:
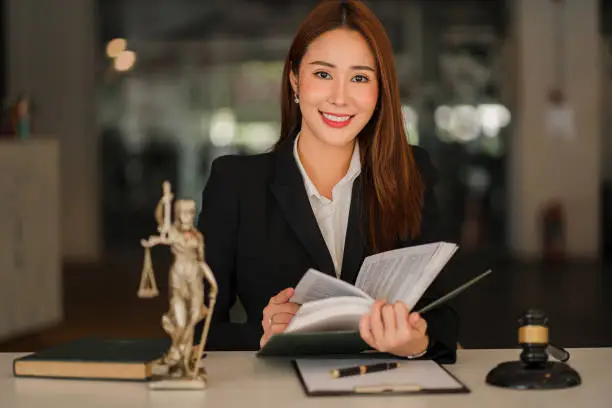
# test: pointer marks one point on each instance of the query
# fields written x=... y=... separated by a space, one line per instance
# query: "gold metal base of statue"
x=161 y=380
x=178 y=384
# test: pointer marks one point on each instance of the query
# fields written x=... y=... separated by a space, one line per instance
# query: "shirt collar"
x=353 y=171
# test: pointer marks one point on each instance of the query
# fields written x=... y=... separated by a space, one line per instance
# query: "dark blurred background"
x=124 y=94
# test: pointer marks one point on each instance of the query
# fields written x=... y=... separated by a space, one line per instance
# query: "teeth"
x=336 y=118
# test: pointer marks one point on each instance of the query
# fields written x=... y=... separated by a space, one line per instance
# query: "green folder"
x=314 y=344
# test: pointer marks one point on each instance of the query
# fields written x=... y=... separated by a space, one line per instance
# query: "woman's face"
x=337 y=87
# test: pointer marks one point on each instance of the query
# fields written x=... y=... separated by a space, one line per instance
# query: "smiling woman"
x=341 y=183
x=341 y=63
x=336 y=87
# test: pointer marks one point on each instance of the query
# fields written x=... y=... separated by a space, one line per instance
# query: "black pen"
x=362 y=369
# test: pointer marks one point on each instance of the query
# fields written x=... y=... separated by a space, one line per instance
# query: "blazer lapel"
x=288 y=189
x=355 y=242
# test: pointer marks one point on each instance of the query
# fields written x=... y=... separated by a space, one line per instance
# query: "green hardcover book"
x=330 y=326
x=95 y=358
x=328 y=320
x=333 y=344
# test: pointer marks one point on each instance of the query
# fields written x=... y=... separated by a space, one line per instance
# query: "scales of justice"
x=181 y=366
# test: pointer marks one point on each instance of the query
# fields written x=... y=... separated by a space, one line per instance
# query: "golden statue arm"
x=153 y=241
x=212 y=298
x=163 y=209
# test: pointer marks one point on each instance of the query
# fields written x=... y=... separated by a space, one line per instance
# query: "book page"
x=401 y=274
x=382 y=275
x=321 y=305
x=411 y=291
x=337 y=313
x=316 y=285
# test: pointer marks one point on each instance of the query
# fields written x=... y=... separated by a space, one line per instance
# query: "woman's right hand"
x=277 y=314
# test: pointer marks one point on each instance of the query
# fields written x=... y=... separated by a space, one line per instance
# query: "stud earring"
x=296 y=98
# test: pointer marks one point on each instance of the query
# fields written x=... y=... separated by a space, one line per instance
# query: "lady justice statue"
x=182 y=361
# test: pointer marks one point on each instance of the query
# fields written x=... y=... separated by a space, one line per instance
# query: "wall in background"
x=50 y=56
x=2 y=50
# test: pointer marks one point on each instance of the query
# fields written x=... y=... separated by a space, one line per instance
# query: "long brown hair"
x=393 y=186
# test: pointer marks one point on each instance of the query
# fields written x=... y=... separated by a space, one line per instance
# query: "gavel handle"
x=558 y=353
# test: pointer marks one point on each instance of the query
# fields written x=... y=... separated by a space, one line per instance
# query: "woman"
x=340 y=184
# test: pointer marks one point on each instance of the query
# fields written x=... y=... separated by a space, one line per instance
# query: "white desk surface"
x=239 y=379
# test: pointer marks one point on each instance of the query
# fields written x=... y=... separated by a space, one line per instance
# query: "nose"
x=338 y=93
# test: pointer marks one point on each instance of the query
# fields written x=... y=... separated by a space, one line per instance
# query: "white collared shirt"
x=332 y=215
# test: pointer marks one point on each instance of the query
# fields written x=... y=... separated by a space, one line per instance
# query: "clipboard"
x=413 y=377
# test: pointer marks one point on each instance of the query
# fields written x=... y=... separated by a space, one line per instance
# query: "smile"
x=336 y=121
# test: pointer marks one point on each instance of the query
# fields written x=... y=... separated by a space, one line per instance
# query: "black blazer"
x=261 y=236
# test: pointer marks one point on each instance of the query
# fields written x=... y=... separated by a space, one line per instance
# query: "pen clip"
x=376 y=389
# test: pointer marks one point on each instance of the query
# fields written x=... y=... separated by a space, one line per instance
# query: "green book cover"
x=314 y=344
x=121 y=359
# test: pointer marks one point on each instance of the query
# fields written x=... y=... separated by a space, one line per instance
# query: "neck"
x=183 y=227
x=324 y=164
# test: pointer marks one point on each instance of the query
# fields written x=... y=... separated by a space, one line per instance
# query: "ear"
x=294 y=82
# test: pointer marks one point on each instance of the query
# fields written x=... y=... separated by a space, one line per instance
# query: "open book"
x=330 y=304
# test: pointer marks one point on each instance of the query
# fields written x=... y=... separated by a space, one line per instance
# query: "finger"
x=274 y=308
x=376 y=323
x=267 y=314
x=282 y=297
x=388 y=317
x=401 y=314
x=418 y=323
x=365 y=331
x=277 y=328
x=415 y=320
x=282 y=318
x=271 y=311
x=263 y=340
x=288 y=307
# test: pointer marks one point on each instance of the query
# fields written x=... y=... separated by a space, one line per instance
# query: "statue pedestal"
x=163 y=381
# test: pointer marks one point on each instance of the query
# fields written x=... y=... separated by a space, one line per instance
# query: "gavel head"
x=533 y=337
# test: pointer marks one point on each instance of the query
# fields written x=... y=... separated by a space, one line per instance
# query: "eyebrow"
x=356 y=67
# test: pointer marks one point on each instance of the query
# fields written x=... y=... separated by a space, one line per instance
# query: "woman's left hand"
x=390 y=328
